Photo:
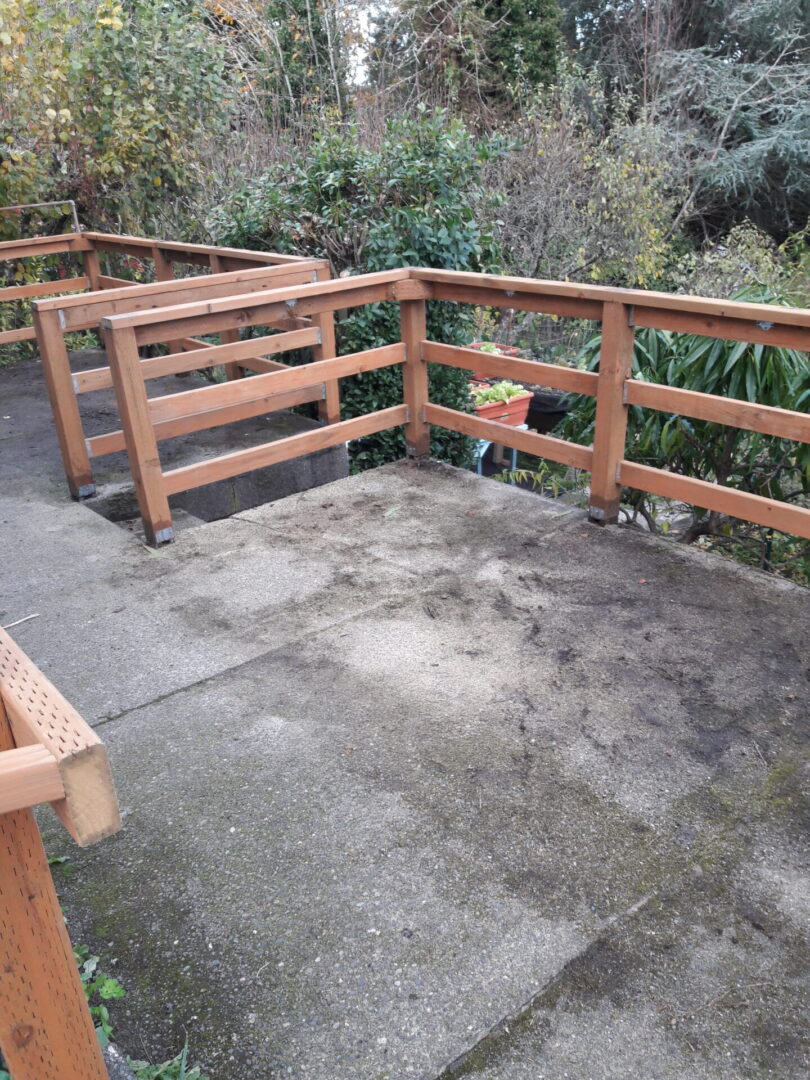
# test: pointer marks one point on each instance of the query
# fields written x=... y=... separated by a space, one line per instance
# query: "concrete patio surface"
x=425 y=777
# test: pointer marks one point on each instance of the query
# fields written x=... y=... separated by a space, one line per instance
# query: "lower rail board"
x=155 y=367
x=258 y=457
x=113 y=441
x=738 y=504
x=529 y=442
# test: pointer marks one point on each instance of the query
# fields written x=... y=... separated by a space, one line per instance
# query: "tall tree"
x=471 y=54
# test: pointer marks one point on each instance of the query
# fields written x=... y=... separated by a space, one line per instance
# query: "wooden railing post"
x=164 y=271
x=413 y=323
x=64 y=403
x=230 y=335
x=615 y=366
x=139 y=433
x=92 y=267
x=329 y=408
x=46 y=1031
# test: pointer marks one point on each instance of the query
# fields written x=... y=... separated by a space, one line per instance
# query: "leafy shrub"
x=415 y=198
x=102 y=101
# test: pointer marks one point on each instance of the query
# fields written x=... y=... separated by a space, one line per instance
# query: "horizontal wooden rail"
x=60 y=244
x=767 y=420
x=508 y=367
x=771 y=315
x=28 y=776
x=268 y=313
x=210 y=397
x=726 y=327
x=738 y=504
x=242 y=461
x=112 y=442
x=250 y=309
x=156 y=367
x=529 y=442
x=180 y=252
x=542 y=303
x=107 y=282
x=25 y=333
x=44 y=288
x=85 y=312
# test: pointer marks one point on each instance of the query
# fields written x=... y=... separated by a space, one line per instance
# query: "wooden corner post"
x=413 y=323
x=139 y=433
x=615 y=367
x=67 y=419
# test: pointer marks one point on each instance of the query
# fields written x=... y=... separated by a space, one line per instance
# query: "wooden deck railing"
x=54 y=319
x=47 y=754
x=164 y=255
x=619 y=311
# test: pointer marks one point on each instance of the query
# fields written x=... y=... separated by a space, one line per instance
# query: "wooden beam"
x=767 y=420
x=326 y=349
x=541 y=302
x=347 y=292
x=25 y=333
x=85 y=312
x=738 y=504
x=92 y=267
x=210 y=397
x=413 y=328
x=142 y=450
x=529 y=442
x=762 y=331
x=100 y=445
x=28 y=776
x=227 y=337
x=64 y=406
x=258 y=457
x=139 y=245
x=411 y=289
x=508 y=367
x=40 y=715
x=105 y=281
x=44 y=288
x=155 y=367
x=258 y=311
x=44 y=245
x=610 y=430
x=636 y=298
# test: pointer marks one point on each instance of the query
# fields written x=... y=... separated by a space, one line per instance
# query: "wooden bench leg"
x=46 y=1031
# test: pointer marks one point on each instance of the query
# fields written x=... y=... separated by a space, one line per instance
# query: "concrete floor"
x=425 y=777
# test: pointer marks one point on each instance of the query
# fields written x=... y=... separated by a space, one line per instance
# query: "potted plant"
x=504 y=401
